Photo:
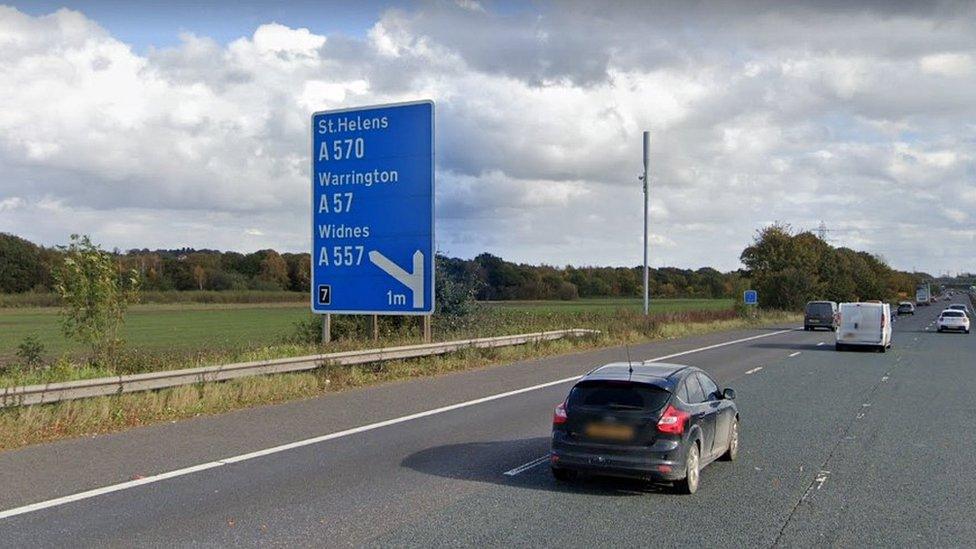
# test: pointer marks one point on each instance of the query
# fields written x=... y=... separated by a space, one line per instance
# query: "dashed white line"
x=754 y=370
x=794 y=354
x=821 y=478
x=821 y=343
x=331 y=436
x=526 y=466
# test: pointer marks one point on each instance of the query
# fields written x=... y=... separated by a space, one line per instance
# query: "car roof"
x=661 y=374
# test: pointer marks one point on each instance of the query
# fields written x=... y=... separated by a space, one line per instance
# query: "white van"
x=864 y=325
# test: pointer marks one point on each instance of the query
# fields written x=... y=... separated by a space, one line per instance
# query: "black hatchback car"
x=645 y=420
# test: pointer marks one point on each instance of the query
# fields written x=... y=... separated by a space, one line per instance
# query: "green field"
x=611 y=305
x=186 y=327
x=195 y=327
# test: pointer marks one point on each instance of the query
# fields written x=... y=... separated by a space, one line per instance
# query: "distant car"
x=651 y=421
x=864 y=325
x=820 y=314
x=953 y=320
x=906 y=308
x=960 y=307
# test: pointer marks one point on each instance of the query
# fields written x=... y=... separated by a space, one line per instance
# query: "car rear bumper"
x=657 y=462
x=953 y=328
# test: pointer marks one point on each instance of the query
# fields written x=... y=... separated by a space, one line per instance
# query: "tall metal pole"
x=647 y=294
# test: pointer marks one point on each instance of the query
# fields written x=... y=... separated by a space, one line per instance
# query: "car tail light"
x=559 y=415
x=672 y=421
x=883 y=319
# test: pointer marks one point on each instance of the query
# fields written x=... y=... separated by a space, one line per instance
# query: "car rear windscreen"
x=952 y=313
x=819 y=309
x=622 y=395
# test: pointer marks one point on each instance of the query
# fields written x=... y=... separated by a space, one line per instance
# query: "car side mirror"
x=728 y=394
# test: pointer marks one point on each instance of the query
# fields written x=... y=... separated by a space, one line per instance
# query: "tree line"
x=790 y=269
x=787 y=269
x=25 y=266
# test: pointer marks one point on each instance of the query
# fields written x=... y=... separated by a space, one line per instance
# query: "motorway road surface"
x=837 y=449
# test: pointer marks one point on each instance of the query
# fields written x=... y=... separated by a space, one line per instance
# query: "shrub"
x=31 y=352
x=95 y=296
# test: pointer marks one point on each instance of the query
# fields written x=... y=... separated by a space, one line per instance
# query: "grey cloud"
x=759 y=111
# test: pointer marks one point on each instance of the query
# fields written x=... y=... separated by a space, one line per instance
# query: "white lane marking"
x=821 y=343
x=821 y=478
x=331 y=436
x=884 y=378
x=108 y=489
x=716 y=346
x=754 y=370
x=526 y=466
x=794 y=354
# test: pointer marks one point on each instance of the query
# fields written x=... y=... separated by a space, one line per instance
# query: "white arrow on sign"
x=414 y=280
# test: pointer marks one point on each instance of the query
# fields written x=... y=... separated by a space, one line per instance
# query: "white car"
x=864 y=325
x=953 y=320
x=959 y=307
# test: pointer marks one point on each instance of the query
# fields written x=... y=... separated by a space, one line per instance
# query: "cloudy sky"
x=187 y=124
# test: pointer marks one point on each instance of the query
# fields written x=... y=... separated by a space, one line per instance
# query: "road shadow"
x=795 y=346
x=858 y=349
x=488 y=461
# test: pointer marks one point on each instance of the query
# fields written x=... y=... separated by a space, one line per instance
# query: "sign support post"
x=326 y=328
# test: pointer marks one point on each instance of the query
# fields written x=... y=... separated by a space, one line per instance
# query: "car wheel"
x=733 y=450
x=689 y=484
x=563 y=475
x=839 y=346
x=883 y=349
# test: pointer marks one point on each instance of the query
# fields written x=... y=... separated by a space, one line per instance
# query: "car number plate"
x=610 y=431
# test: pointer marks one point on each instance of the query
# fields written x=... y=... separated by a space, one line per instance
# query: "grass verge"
x=33 y=424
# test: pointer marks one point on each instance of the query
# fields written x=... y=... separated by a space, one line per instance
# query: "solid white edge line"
x=315 y=440
x=526 y=466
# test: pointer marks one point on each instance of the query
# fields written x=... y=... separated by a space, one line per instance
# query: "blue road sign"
x=751 y=297
x=373 y=210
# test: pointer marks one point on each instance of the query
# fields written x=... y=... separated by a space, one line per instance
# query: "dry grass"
x=33 y=424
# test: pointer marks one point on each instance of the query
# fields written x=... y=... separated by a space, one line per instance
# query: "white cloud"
x=948 y=64
x=785 y=112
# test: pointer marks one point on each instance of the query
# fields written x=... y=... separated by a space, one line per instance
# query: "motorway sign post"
x=373 y=210
x=750 y=297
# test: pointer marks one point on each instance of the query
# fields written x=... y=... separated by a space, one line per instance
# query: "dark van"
x=820 y=314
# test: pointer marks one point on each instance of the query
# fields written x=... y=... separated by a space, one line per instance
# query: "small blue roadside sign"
x=373 y=210
x=751 y=297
